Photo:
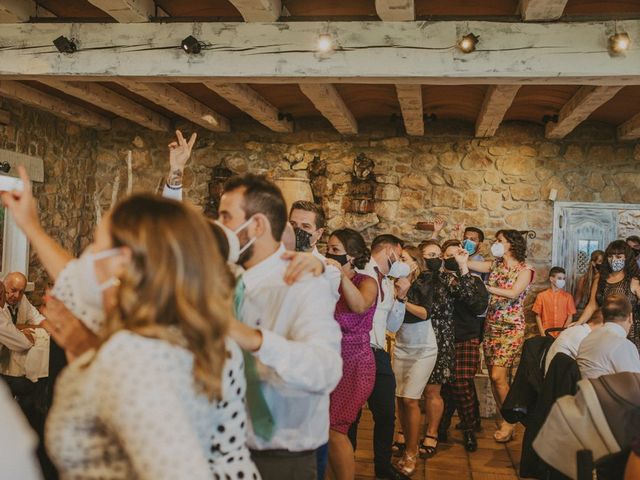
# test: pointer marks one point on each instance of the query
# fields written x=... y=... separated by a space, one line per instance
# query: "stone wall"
x=69 y=170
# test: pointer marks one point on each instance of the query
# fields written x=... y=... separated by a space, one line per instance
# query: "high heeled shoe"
x=408 y=464
x=504 y=436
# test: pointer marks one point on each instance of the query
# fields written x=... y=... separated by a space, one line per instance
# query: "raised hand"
x=402 y=287
x=21 y=204
x=179 y=153
x=462 y=257
x=438 y=224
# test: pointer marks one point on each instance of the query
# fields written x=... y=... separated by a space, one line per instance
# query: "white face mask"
x=560 y=283
x=78 y=288
x=234 y=242
x=497 y=250
x=399 y=269
x=617 y=264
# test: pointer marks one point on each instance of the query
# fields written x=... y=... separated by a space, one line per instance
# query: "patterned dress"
x=623 y=287
x=358 y=363
x=505 y=324
x=446 y=289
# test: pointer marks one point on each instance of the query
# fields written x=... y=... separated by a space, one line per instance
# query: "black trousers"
x=383 y=407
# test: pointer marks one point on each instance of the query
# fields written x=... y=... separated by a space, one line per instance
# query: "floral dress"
x=505 y=324
x=446 y=288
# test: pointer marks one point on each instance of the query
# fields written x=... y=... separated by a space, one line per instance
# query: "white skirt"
x=414 y=357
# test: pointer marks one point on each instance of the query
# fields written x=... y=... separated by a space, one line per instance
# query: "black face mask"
x=433 y=264
x=341 y=259
x=451 y=264
x=303 y=240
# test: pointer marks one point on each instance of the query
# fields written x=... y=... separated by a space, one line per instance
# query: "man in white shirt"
x=607 y=349
x=11 y=338
x=289 y=330
x=569 y=340
x=389 y=315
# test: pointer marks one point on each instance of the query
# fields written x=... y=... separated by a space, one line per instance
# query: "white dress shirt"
x=17 y=441
x=13 y=363
x=389 y=312
x=172 y=193
x=331 y=273
x=299 y=362
x=568 y=342
x=607 y=350
x=10 y=337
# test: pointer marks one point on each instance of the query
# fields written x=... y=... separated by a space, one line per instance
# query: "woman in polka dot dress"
x=161 y=396
x=354 y=313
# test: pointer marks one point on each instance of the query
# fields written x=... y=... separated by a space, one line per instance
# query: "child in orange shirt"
x=554 y=307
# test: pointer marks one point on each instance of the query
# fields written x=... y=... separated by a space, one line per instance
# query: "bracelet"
x=402 y=300
x=173 y=187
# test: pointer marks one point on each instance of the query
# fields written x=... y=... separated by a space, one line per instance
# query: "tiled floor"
x=492 y=461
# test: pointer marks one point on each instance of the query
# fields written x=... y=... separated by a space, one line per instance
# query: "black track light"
x=191 y=45
x=64 y=45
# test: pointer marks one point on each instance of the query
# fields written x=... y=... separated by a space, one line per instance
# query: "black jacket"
x=466 y=312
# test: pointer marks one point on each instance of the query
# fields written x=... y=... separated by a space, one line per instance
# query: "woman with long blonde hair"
x=157 y=389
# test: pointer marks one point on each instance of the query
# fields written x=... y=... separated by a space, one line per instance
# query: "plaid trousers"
x=461 y=394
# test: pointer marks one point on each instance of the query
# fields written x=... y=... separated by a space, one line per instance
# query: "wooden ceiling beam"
x=329 y=103
x=113 y=102
x=127 y=11
x=396 y=10
x=18 y=11
x=542 y=10
x=179 y=103
x=585 y=101
x=630 y=130
x=410 y=98
x=60 y=108
x=258 y=10
x=412 y=52
x=253 y=104
x=496 y=102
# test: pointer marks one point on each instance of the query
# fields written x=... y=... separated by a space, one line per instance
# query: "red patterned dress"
x=358 y=364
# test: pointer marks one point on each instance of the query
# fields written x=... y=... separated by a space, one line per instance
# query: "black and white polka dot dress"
x=133 y=412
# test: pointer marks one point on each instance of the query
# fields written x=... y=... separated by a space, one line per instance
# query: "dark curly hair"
x=630 y=269
x=354 y=245
x=517 y=242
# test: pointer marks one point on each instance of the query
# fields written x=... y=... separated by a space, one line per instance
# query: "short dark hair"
x=261 y=196
x=475 y=230
x=633 y=238
x=556 y=270
x=354 y=245
x=616 y=308
x=320 y=220
x=385 y=239
x=517 y=242
x=451 y=243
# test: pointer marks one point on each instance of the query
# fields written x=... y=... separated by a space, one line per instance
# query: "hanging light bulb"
x=468 y=43
x=619 y=43
x=325 y=43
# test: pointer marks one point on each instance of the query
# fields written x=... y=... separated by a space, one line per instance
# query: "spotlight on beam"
x=325 y=43
x=619 y=43
x=467 y=44
x=191 y=45
x=64 y=45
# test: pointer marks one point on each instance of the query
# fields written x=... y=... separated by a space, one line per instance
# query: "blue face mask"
x=469 y=246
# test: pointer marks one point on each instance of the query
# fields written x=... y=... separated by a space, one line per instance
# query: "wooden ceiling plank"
x=60 y=108
x=178 y=102
x=410 y=98
x=542 y=10
x=127 y=11
x=113 y=102
x=496 y=102
x=252 y=103
x=396 y=10
x=630 y=130
x=585 y=101
x=258 y=10
x=531 y=53
x=329 y=103
x=16 y=11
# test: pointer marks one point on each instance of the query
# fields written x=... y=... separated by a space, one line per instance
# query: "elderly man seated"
x=607 y=350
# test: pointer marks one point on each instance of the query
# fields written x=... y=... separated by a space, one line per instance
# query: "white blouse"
x=133 y=412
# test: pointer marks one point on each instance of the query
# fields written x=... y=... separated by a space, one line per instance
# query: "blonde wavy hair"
x=177 y=286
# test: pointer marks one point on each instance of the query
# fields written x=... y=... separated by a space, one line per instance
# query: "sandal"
x=398 y=448
x=501 y=436
x=408 y=464
x=428 y=451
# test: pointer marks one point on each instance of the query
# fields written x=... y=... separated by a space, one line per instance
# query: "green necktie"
x=261 y=418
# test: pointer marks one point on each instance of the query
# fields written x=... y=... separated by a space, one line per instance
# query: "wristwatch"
x=402 y=300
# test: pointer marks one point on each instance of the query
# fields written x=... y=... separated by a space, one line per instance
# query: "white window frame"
x=15 y=251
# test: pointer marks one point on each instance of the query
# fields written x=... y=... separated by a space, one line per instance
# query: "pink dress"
x=358 y=364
